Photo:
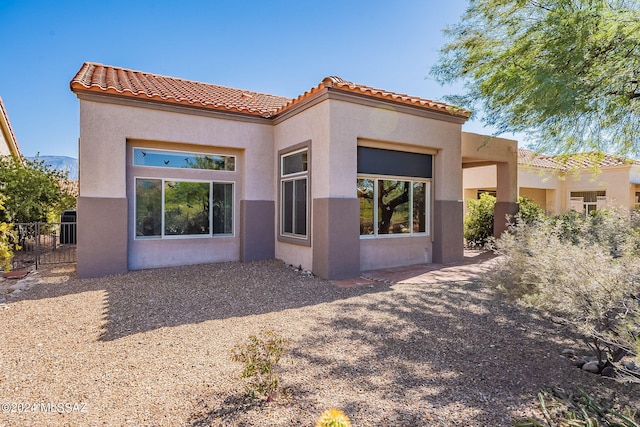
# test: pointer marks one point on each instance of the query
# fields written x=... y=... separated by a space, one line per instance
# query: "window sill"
x=300 y=241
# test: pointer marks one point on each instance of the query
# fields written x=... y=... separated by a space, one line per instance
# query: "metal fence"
x=44 y=243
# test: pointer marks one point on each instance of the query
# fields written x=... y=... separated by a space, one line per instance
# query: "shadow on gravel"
x=144 y=300
x=417 y=355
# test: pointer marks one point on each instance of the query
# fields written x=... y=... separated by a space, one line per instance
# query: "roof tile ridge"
x=86 y=65
x=337 y=81
x=165 y=88
x=293 y=101
x=341 y=84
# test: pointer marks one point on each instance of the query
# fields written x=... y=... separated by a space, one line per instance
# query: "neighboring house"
x=341 y=179
x=582 y=182
x=8 y=142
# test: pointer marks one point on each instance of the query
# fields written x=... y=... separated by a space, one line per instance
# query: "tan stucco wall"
x=353 y=125
x=538 y=195
x=8 y=144
x=312 y=125
x=503 y=153
x=615 y=181
x=551 y=190
x=335 y=129
x=107 y=127
x=4 y=144
x=104 y=133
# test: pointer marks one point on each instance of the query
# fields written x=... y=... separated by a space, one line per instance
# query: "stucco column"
x=448 y=233
x=102 y=236
x=506 y=194
x=257 y=230
x=336 y=238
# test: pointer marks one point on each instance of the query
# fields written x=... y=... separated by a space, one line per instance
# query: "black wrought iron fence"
x=44 y=243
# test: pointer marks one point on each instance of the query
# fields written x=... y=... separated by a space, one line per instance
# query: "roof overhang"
x=7 y=132
x=152 y=104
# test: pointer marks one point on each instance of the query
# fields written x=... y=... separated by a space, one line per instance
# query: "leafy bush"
x=261 y=356
x=34 y=192
x=529 y=212
x=585 y=271
x=7 y=237
x=478 y=223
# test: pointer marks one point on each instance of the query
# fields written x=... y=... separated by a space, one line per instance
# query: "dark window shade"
x=377 y=161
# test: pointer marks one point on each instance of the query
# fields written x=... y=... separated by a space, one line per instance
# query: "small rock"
x=580 y=362
x=592 y=366
x=608 y=371
x=567 y=352
x=17 y=286
x=629 y=365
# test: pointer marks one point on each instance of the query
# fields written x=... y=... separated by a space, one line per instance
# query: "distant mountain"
x=61 y=163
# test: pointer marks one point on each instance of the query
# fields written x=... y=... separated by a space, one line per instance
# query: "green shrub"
x=585 y=271
x=529 y=212
x=260 y=357
x=478 y=223
x=7 y=237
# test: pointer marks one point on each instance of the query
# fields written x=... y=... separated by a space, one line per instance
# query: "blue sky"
x=280 y=47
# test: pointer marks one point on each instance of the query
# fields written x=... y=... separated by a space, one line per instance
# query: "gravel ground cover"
x=151 y=348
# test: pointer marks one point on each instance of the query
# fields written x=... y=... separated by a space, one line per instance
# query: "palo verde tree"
x=33 y=191
x=567 y=72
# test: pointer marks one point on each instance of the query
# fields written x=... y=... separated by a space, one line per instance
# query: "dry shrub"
x=585 y=271
x=260 y=357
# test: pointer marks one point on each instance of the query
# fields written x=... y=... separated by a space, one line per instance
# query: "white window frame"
x=293 y=177
x=162 y=235
x=411 y=180
x=587 y=207
x=193 y=153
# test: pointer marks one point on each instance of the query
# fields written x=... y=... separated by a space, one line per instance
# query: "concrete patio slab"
x=475 y=263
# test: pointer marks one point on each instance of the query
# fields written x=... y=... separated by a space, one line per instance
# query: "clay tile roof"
x=572 y=161
x=119 y=81
x=337 y=83
x=106 y=79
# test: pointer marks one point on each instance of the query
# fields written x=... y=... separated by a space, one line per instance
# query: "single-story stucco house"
x=341 y=179
x=8 y=143
x=583 y=182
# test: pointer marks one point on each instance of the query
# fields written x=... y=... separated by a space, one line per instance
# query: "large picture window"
x=169 y=208
x=393 y=206
x=294 y=199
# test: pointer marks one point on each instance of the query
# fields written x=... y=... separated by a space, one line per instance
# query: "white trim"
x=133 y=158
x=164 y=236
x=293 y=177
x=428 y=206
x=282 y=156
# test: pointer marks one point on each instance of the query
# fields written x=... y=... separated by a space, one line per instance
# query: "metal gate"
x=44 y=243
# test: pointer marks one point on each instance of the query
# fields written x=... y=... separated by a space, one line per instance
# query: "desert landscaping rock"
x=592 y=366
x=151 y=348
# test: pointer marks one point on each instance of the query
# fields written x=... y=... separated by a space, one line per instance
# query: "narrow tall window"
x=149 y=207
x=294 y=197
